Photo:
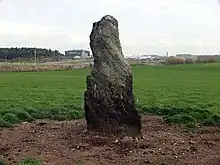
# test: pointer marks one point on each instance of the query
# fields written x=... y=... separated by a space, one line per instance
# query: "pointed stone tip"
x=108 y=17
x=111 y=19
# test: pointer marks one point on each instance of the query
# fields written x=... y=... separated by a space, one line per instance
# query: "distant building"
x=183 y=55
x=150 y=57
x=208 y=57
x=73 y=54
x=187 y=56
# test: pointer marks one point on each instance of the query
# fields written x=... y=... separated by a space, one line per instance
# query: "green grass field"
x=191 y=92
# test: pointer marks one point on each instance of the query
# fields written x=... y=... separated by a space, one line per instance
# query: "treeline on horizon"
x=7 y=54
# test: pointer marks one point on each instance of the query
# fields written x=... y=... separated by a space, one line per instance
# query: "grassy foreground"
x=182 y=93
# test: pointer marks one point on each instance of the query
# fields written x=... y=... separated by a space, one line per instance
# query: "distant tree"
x=26 y=53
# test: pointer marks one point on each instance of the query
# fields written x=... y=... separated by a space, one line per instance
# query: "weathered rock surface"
x=109 y=102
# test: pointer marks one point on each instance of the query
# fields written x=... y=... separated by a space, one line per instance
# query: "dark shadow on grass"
x=189 y=117
x=9 y=117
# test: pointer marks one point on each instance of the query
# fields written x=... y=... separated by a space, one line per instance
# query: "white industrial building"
x=76 y=54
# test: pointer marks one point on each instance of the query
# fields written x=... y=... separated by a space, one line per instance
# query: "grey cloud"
x=145 y=25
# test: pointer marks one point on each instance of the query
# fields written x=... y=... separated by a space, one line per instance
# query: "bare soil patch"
x=41 y=67
x=67 y=143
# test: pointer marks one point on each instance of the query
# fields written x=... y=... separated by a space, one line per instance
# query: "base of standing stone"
x=107 y=130
x=104 y=120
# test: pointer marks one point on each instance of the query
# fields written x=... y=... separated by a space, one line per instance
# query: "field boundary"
x=41 y=67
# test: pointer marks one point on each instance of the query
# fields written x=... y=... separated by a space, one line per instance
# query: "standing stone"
x=109 y=103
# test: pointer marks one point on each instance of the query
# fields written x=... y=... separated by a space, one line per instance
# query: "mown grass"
x=187 y=94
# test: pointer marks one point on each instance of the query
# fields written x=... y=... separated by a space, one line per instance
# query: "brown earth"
x=67 y=143
x=41 y=67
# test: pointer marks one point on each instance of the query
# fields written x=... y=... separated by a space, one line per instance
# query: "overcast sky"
x=145 y=26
